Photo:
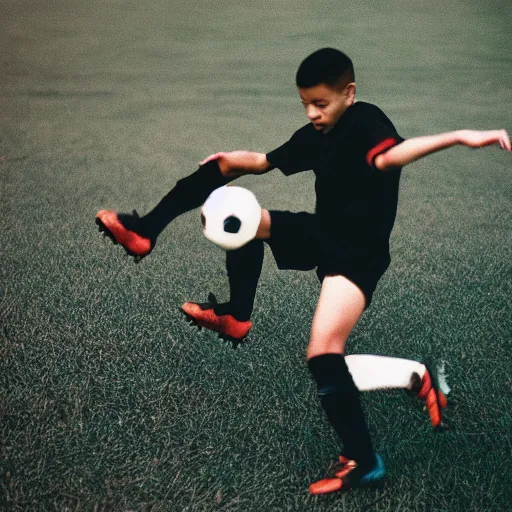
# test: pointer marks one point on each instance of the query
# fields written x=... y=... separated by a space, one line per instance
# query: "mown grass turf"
x=108 y=399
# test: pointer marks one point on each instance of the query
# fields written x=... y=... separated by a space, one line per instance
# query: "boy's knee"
x=264 y=228
x=325 y=341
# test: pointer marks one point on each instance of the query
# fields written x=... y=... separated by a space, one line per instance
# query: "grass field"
x=108 y=399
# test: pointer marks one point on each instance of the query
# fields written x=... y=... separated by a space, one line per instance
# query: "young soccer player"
x=357 y=156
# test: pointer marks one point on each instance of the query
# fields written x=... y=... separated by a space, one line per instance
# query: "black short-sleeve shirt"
x=355 y=203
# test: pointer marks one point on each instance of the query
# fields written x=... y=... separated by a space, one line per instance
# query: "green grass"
x=108 y=399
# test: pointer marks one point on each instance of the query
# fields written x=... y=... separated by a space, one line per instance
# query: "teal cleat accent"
x=376 y=474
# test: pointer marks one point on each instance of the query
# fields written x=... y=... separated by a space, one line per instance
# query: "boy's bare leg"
x=339 y=308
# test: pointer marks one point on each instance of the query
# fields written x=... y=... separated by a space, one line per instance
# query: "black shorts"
x=299 y=243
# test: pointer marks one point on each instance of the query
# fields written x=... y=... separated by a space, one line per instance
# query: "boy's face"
x=325 y=104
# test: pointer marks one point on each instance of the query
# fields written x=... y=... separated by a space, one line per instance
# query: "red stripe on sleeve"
x=379 y=148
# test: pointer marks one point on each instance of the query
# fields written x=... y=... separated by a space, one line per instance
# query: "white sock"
x=380 y=372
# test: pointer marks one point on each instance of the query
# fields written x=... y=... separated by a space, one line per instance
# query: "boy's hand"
x=232 y=159
x=478 y=139
x=236 y=163
x=215 y=156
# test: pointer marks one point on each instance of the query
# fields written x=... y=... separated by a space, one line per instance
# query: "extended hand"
x=236 y=163
x=215 y=156
x=478 y=139
x=233 y=159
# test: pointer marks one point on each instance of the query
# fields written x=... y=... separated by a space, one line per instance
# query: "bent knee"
x=328 y=344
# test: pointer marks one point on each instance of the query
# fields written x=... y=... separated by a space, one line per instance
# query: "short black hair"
x=325 y=66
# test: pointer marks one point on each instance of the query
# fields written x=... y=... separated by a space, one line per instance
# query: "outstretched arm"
x=237 y=163
x=418 y=147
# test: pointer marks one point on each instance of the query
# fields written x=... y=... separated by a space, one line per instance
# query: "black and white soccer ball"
x=230 y=217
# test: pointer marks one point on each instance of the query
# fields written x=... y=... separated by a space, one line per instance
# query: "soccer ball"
x=230 y=217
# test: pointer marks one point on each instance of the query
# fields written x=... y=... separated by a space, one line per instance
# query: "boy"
x=357 y=156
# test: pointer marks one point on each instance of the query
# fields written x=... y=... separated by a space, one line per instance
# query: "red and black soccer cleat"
x=122 y=229
x=226 y=325
x=427 y=389
x=347 y=475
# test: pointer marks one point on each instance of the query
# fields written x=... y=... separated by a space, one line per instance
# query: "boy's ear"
x=350 y=90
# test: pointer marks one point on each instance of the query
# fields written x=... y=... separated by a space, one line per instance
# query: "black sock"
x=244 y=268
x=339 y=397
x=189 y=193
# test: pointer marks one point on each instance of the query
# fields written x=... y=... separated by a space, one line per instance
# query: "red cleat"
x=228 y=327
x=435 y=400
x=335 y=483
x=347 y=475
x=121 y=229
